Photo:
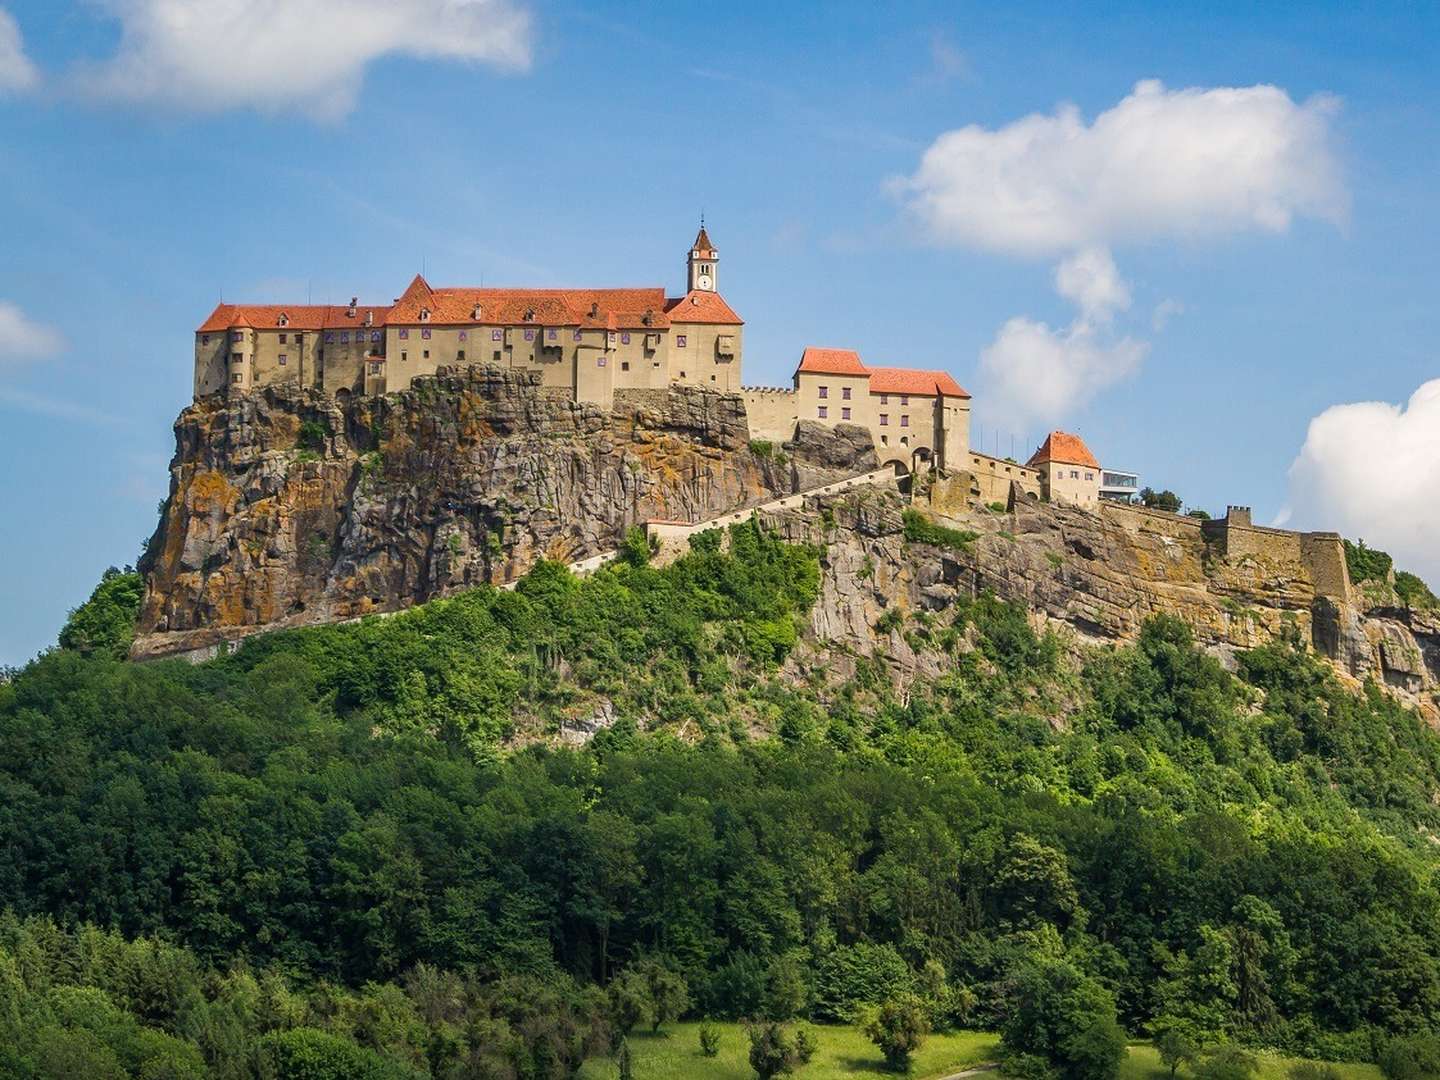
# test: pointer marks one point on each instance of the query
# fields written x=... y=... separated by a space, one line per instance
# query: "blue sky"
x=576 y=144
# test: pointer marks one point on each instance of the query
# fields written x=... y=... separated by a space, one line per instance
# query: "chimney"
x=353 y=301
x=594 y=309
x=648 y=317
x=475 y=313
x=530 y=314
x=369 y=318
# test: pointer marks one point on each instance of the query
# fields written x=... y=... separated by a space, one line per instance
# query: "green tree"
x=898 y=1027
x=775 y=1050
x=1066 y=1018
x=105 y=624
x=1160 y=500
x=709 y=1039
x=1227 y=1062
x=1178 y=1042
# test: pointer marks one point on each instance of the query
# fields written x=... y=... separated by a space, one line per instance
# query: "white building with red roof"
x=916 y=417
x=584 y=342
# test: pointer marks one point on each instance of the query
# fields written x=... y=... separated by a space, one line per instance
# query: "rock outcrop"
x=289 y=507
x=1098 y=575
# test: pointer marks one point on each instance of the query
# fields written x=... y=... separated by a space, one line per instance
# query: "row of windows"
x=823 y=413
x=845 y=395
x=1075 y=474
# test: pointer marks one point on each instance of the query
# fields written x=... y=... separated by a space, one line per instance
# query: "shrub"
x=776 y=1051
x=1414 y=592
x=1227 y=1063
x=1413 y=1057
x=105 y=624
x=312 y=435
x=709 y=1040
x=763 y=449
x=310 y=1054
x=898 y=1027
x=1313 y=1070
x=1068 y=1019
x=1178 y=1041
x=921 y=530
x=1366 y=564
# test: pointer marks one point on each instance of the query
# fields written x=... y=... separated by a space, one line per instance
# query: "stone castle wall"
x=773 y=412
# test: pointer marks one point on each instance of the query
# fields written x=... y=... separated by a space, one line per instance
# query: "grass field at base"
x=1143 y=1063
x=846 y=1054
x=843 y=1054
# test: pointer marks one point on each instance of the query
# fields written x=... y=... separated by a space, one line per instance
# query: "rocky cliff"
x=289 y=507
x=1095 y=575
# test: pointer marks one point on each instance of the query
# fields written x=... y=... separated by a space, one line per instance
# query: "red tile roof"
x=698 y=306
x=612 y=309
x=1061 y=446
x=702 y=241
x=831 y=362
x=890 y=380
x=298 y=317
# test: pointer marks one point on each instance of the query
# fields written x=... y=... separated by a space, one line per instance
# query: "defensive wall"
x=773 y=412
x=1319 y=555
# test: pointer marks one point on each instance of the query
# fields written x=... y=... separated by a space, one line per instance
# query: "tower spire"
x=700 y=263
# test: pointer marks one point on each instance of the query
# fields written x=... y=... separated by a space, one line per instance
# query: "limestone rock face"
x=288 y=507
x=1099 y=575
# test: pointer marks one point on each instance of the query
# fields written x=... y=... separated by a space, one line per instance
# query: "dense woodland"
x=355 y=849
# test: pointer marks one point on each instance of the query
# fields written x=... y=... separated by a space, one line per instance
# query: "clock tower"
x=701 y=262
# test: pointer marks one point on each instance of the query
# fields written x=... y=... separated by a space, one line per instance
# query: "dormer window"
x=475 y=313
x=648 y=317
x=530 y=314
x=424 y=314
x=284 y=320
x=594 y=310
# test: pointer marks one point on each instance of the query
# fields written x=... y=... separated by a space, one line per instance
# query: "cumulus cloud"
x=16 y=70
x=1090 y=281
x=21 y=338
x=275 y=55
x=1371 y=470
x=1161 y=163
x=1032 y=373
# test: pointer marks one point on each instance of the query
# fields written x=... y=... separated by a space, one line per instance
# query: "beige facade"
x=587 y=343
x=993 y=477
x=916 y=418
x=1069 y=472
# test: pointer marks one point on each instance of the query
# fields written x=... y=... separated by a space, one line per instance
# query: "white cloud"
x=1164 y=311
x=16 y=70
x=1371 y=470
x=1161 y=163
x=275 y=55
x=1034 y=374
x=1090 y=281
x=21 y=338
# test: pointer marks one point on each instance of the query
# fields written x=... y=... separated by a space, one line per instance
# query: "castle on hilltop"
x=585 y=343
x=590 y=344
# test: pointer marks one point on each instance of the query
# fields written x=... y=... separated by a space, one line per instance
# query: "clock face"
x=704 y=281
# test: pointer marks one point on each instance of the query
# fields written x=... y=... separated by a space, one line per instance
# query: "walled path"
x=674 y=536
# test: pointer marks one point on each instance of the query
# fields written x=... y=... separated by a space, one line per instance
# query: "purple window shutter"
x=496 y=335
x=624 y=339
x=462 y=335
x=579 y=336
x=425 y=334
x=680 y=341
x=529 y=335
x=330 y=336
x=404 y=334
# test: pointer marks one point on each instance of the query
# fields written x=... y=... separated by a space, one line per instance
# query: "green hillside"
x=361 y=848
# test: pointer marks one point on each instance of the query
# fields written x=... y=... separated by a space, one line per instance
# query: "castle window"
x=884 y=399
x=845 y=393
x=552 y=335
x=425 y=334
x=904 y=440
x=625 y=339
x=823 y=413
x=344 y=337
x=204 y=339
x=904 y=399
x=844 y=413
x=282 y=339
x=404 y=355
x=237 y=358
x=460 y=354
x=425 y=355
x=462 y=335
x=884 y=419
x=237 y=335
x=497 y=356
x=424 y=314
x=579 y=336
x=624 y=365
x=600 y=361
x=282 y=359
x=404 y=334
x=905 y=421
x=680 y=341
x=238 y=377
x=1074 y=474
x=824 y=392
x=529 y=335
x=610 y=339
x=884 y=440
x=682 y=374
x=374 y=336
x=1089 y=476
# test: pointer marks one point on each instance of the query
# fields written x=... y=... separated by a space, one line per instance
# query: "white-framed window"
x=905 y=420
x=845 y=393
x=824 y=392
x=823 y=413
x=283 y=358
x=844 y=412
x=884 y=419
